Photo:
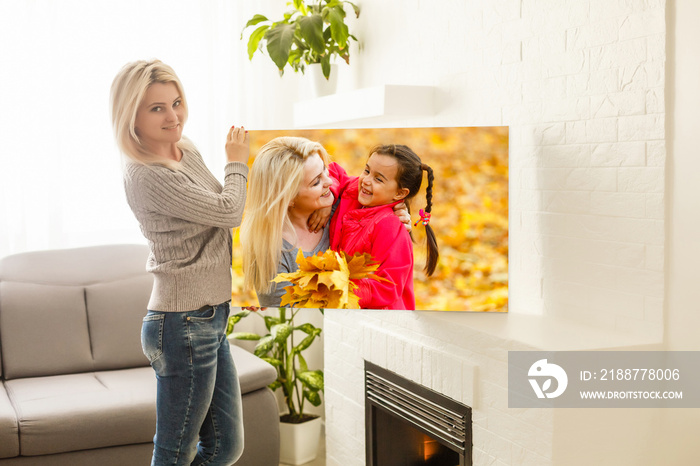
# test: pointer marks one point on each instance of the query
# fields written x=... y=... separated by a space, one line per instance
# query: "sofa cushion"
x=82 y=411
x=44 y=330
x=115 y=311
x=9 y=434
x=81 y=309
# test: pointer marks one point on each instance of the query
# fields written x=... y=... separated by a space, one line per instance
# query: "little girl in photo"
x=365 y=223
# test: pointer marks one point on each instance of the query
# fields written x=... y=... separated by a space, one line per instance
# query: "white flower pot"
x=321 y=86
x=299 y=442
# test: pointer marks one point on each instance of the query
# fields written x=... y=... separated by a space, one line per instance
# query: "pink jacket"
x=377 y=231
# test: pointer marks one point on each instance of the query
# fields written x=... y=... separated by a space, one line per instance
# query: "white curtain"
x=60 y=170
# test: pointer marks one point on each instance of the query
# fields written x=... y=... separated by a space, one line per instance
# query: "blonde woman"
x=186 y=215
x=289 y=198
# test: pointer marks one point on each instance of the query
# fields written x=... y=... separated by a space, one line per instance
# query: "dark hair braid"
x=429 y=188
x=432 y=247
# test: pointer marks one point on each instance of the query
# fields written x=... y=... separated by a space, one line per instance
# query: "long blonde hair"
x=127 y=92
x=273 y=182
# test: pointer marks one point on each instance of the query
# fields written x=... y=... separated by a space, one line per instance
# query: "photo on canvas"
x=469 y=214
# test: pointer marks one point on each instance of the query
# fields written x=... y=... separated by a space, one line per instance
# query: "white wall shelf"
x=373 y=104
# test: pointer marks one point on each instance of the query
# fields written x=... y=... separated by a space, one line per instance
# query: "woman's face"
x=161 y=116
x=314 y=192
x=377 y=184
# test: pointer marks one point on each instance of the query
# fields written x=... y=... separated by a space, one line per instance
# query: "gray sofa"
x=75 y=387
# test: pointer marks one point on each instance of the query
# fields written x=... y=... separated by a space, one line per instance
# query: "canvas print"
x=362 y=258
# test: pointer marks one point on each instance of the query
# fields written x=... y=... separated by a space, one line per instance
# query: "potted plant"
x=299 y=384
x=323 y=281
x=311 y=33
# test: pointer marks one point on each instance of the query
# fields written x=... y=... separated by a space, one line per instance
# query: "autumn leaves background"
x=470 y=209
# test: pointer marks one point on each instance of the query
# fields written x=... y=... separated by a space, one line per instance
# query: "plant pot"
x=321 y=86
x=299 y=442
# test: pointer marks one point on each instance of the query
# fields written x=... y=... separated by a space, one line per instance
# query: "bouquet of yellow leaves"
x=324 y=280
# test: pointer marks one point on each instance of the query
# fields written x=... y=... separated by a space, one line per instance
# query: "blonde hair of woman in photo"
x=290 y=198
x=275 y=224
x=186 y=215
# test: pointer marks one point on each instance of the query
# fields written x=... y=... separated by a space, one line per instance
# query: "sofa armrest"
x=253 y=372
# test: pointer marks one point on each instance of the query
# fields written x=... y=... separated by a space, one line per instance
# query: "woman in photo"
x=288 y=182
x=186 y=215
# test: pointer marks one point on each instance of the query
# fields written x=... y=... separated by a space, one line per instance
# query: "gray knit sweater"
x=187 y=216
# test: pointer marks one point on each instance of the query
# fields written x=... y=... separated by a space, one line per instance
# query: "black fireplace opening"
x=407 y=424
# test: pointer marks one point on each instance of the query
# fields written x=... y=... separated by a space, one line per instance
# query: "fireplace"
x=407 y=424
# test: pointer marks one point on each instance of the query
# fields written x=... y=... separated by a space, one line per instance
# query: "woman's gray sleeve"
x=274 y=297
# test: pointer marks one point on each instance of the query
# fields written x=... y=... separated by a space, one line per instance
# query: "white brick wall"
x=580 y=83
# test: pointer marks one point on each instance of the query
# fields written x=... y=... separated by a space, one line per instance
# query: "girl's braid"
x=429 y=188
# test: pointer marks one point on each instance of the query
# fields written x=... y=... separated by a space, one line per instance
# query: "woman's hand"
x=237 y=145
x=319 y=218
x=401 y=211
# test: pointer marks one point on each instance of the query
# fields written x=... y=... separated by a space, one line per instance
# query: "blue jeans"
x=198 y=406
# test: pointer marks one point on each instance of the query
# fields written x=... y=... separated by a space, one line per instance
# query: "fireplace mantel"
x=542 y=332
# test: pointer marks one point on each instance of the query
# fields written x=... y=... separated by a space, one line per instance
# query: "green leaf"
x=279 y=43
x=255 y=20
x=234 y=319
x=326 y=65
x=306 y=328
x=295 y=60
x=305 y=343
x=303 y=367
x=255 y=38
x=311 y=28
x=272 y=361
x=264 y=345
x=300 y=44
x=245 y=336
x=270 y=321
x=281 y=332
x=313 y=397
x=312 y=379
x=339 y=30
x=355 y=8
x=275 y=385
